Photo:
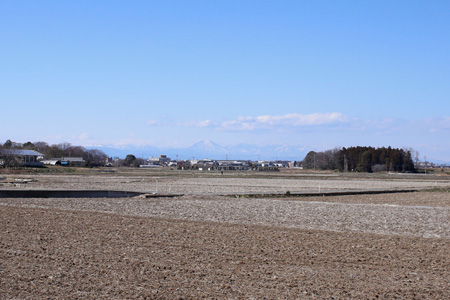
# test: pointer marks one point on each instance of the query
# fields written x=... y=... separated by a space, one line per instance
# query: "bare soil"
x=392 y=246
x=215 y=183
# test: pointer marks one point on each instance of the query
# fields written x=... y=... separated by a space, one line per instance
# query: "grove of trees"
x=361 y=159
x=93 y=157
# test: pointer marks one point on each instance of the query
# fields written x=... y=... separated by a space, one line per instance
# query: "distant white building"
x=162 y=160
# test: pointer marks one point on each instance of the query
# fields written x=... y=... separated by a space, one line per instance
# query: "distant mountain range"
x=212 y=150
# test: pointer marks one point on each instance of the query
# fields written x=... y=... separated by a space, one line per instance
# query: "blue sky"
x=321 y=74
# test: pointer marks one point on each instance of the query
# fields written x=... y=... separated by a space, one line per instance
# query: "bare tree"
x=96 y=157
x=9 y=159
x=64 y=146
x=415 y=154
x=41 y=147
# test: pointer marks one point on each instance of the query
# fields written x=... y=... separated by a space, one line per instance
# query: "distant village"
x=355 y=159
x=41 y=154
x=33 y=158
x=211 y=164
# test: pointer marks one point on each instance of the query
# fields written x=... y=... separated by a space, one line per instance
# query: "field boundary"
x=324 y=193
x=16 y=193
x=66 y=194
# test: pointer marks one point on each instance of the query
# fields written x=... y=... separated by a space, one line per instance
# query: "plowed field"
x=387 y=246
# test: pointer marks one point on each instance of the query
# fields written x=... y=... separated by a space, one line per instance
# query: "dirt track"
x=353 y=247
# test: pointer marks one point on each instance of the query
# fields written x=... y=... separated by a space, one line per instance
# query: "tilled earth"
x=426 y=215
x=59 y=254
x=214 y=183
x=392 y=246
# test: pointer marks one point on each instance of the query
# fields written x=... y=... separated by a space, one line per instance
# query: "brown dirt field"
x=56 y=254
x=386 y=246
x=214 y=183
x=417 y=214
x=425 y=198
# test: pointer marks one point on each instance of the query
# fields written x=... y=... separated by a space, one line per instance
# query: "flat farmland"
x=185 y=182
x=207 y=245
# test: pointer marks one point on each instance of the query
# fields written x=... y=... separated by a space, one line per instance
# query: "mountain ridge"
x=212 y=150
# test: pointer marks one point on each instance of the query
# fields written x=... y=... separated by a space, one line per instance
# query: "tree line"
x=362 y=159
x=92 y=157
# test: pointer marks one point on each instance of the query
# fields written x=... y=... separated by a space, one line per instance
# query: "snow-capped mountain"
x=212 y=150
x=207 y=147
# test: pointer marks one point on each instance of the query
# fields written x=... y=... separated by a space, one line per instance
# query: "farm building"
x=19 y=157
x=65 y=161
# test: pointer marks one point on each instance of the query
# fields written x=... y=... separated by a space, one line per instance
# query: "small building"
x=162 y=160
x=266 y=164
x=52 y=162
x=27 y=158
x=65 y=161
x=73 y=161
x=172 y=164
x=233 y=165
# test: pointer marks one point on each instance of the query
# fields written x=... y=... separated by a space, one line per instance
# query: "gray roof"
x=74 y=159
x=22 y=152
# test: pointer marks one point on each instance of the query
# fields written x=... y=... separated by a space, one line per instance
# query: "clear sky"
x=322 y=74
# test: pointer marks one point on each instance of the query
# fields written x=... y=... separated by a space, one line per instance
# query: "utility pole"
x=425 y=166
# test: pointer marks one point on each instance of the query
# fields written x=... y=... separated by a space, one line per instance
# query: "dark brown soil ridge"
x=66 y=194
x=326 y=193
x=16 y=193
